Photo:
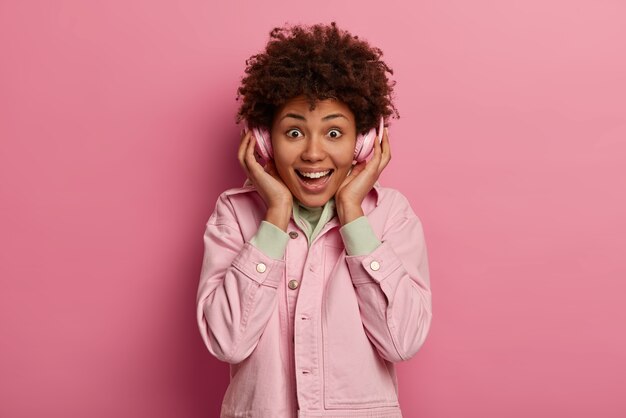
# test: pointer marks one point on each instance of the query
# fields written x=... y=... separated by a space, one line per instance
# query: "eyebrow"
x=327 y=117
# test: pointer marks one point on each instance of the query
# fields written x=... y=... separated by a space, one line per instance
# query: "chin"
x=314 y=201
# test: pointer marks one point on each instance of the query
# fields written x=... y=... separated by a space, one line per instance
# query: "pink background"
x=117 y=135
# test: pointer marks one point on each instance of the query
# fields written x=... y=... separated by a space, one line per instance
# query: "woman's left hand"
x=360 y=181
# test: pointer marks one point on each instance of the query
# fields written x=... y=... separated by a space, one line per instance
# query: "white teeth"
x=315 y=175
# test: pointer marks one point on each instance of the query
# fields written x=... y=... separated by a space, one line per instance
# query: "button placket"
x=306 y=343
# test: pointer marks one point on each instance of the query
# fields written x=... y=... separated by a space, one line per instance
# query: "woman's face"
x=313 y=149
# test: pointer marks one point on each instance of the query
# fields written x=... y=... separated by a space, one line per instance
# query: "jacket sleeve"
x=393 y=287
x=237 y=290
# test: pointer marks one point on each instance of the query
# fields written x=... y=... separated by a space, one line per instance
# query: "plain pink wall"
x=117 y=135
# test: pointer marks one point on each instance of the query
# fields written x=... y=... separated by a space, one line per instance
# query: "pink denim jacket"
x=316 y=333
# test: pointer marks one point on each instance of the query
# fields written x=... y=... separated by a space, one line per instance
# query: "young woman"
x=315 y=278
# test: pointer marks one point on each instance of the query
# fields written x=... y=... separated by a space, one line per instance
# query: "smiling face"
x=313 y=149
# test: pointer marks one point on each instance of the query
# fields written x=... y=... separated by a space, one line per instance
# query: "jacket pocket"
x=355 y=376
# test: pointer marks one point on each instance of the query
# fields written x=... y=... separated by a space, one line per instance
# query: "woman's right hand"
x=268 y=183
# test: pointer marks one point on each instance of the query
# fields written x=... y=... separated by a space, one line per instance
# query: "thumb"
x=356 y=169
x=270 y=169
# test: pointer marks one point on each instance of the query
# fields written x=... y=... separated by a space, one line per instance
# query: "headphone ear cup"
x=364 y=145
x=358 y=147
x=365 y=142
x=263 y=143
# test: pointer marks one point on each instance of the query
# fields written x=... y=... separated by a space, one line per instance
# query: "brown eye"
x=294 y=133
x=334 y=133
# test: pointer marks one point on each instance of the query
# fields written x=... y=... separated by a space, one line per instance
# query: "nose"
x=314 y=149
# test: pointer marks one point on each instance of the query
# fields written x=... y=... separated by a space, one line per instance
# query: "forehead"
x=300 y=105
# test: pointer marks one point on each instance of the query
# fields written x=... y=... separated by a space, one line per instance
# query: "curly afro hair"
x=319 y=62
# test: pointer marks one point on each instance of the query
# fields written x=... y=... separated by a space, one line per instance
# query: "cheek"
x=346 y=156
x=282 y=164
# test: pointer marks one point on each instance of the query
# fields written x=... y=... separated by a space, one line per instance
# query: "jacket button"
x=374 y=265
x=293 y=235
x=293 y=284
x=261 y=268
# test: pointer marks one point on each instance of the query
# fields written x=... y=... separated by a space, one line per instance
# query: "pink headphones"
x=364 y=142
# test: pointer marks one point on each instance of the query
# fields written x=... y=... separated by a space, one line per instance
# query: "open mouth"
x=314 y=179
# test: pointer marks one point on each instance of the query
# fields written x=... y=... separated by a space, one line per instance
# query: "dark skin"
x=350 y=191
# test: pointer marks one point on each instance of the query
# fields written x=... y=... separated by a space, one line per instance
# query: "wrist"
x=347 y=212
x=279 y=215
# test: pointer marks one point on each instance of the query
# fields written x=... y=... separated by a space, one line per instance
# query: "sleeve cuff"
x=359 y=237
x=271 y=240
x=374 y=267
x=258 y=266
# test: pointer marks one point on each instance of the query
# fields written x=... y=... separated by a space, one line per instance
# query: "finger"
x=271 y=170
x=244 y=134
x=385 y=141
x=374 y=162
x=248 y=154
x=241 y=152
x=270 y=166
x=379 y=144
x=253 y=166
x=354 y=172
x=386 y=152
x=357 y=169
